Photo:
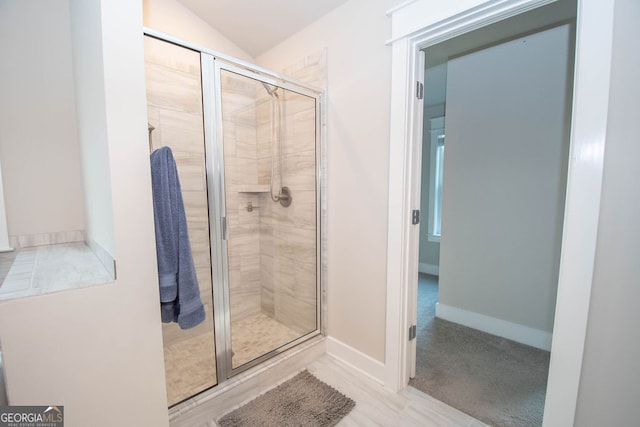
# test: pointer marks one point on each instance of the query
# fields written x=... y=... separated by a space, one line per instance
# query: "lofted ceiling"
x=258 y=25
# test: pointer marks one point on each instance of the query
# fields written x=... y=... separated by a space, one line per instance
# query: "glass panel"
x=174 y=104
x=269 y=139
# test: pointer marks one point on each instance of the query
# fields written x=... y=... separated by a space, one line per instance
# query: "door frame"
x=417 y=25
x=212 y=63
x=214 y=140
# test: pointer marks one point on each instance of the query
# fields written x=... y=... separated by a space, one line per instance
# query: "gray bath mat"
x=303 y=400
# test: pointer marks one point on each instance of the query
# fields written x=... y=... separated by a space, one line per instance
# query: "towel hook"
x=151 y=128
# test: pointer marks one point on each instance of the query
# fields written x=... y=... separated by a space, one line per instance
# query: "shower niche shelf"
x=253 y=188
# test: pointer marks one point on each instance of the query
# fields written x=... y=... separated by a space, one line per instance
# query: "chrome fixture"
x=284 y=196
x=251 y=207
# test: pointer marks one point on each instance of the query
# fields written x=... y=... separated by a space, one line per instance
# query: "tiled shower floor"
x=189 y=364
x=256 y=335
x=52 y=268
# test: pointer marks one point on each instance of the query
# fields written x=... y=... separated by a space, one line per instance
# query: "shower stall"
x=246 y=144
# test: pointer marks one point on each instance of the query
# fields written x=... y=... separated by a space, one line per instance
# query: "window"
x=435 y=179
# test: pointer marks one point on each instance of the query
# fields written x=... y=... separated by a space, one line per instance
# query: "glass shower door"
x=268 y=141
x=175 y=115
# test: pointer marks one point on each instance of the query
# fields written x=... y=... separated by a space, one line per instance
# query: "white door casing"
x=423 y=23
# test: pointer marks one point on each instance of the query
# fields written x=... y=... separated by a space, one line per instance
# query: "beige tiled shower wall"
x=264 y=150
x=174 y=105
x=241 y=179
x=288 y=234
x=312 y=69
x=272 y=249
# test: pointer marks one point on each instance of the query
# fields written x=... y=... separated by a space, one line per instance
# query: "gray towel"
x=179 y=291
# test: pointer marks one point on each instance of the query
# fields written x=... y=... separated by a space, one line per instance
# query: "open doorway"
x=497 y=111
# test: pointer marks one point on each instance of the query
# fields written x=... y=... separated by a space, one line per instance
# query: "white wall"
x=358 y=135
x=171 y=17
x=101 y=338
x=504 y=179
x=610 y=381
x=98 y=350
x=38 y=135
x=359 y=74
x=88 y=74
x=358 y=138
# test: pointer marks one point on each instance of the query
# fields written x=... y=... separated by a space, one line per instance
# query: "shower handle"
x=284 y=197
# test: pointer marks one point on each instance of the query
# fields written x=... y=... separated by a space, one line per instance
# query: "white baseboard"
x=502 y=328
x=429 y=269
x=356 y=359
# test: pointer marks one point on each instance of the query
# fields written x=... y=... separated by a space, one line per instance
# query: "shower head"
x=272 y=91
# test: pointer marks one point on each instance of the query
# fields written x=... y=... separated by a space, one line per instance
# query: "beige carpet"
x=498 y=381
x=303 y=400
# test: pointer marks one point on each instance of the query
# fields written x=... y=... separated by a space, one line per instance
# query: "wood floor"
x=378 y=406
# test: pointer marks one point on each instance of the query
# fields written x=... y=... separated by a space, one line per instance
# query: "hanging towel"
x=179 y=291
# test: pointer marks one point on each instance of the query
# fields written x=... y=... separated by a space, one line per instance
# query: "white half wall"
x=100 y=347
x=506 y=154
x=88 y=72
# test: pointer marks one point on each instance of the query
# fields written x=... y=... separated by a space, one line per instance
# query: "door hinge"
x=419 y=90
x=412 y=332
x=415 y=216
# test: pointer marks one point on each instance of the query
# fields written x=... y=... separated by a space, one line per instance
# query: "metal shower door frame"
x=212 y=67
